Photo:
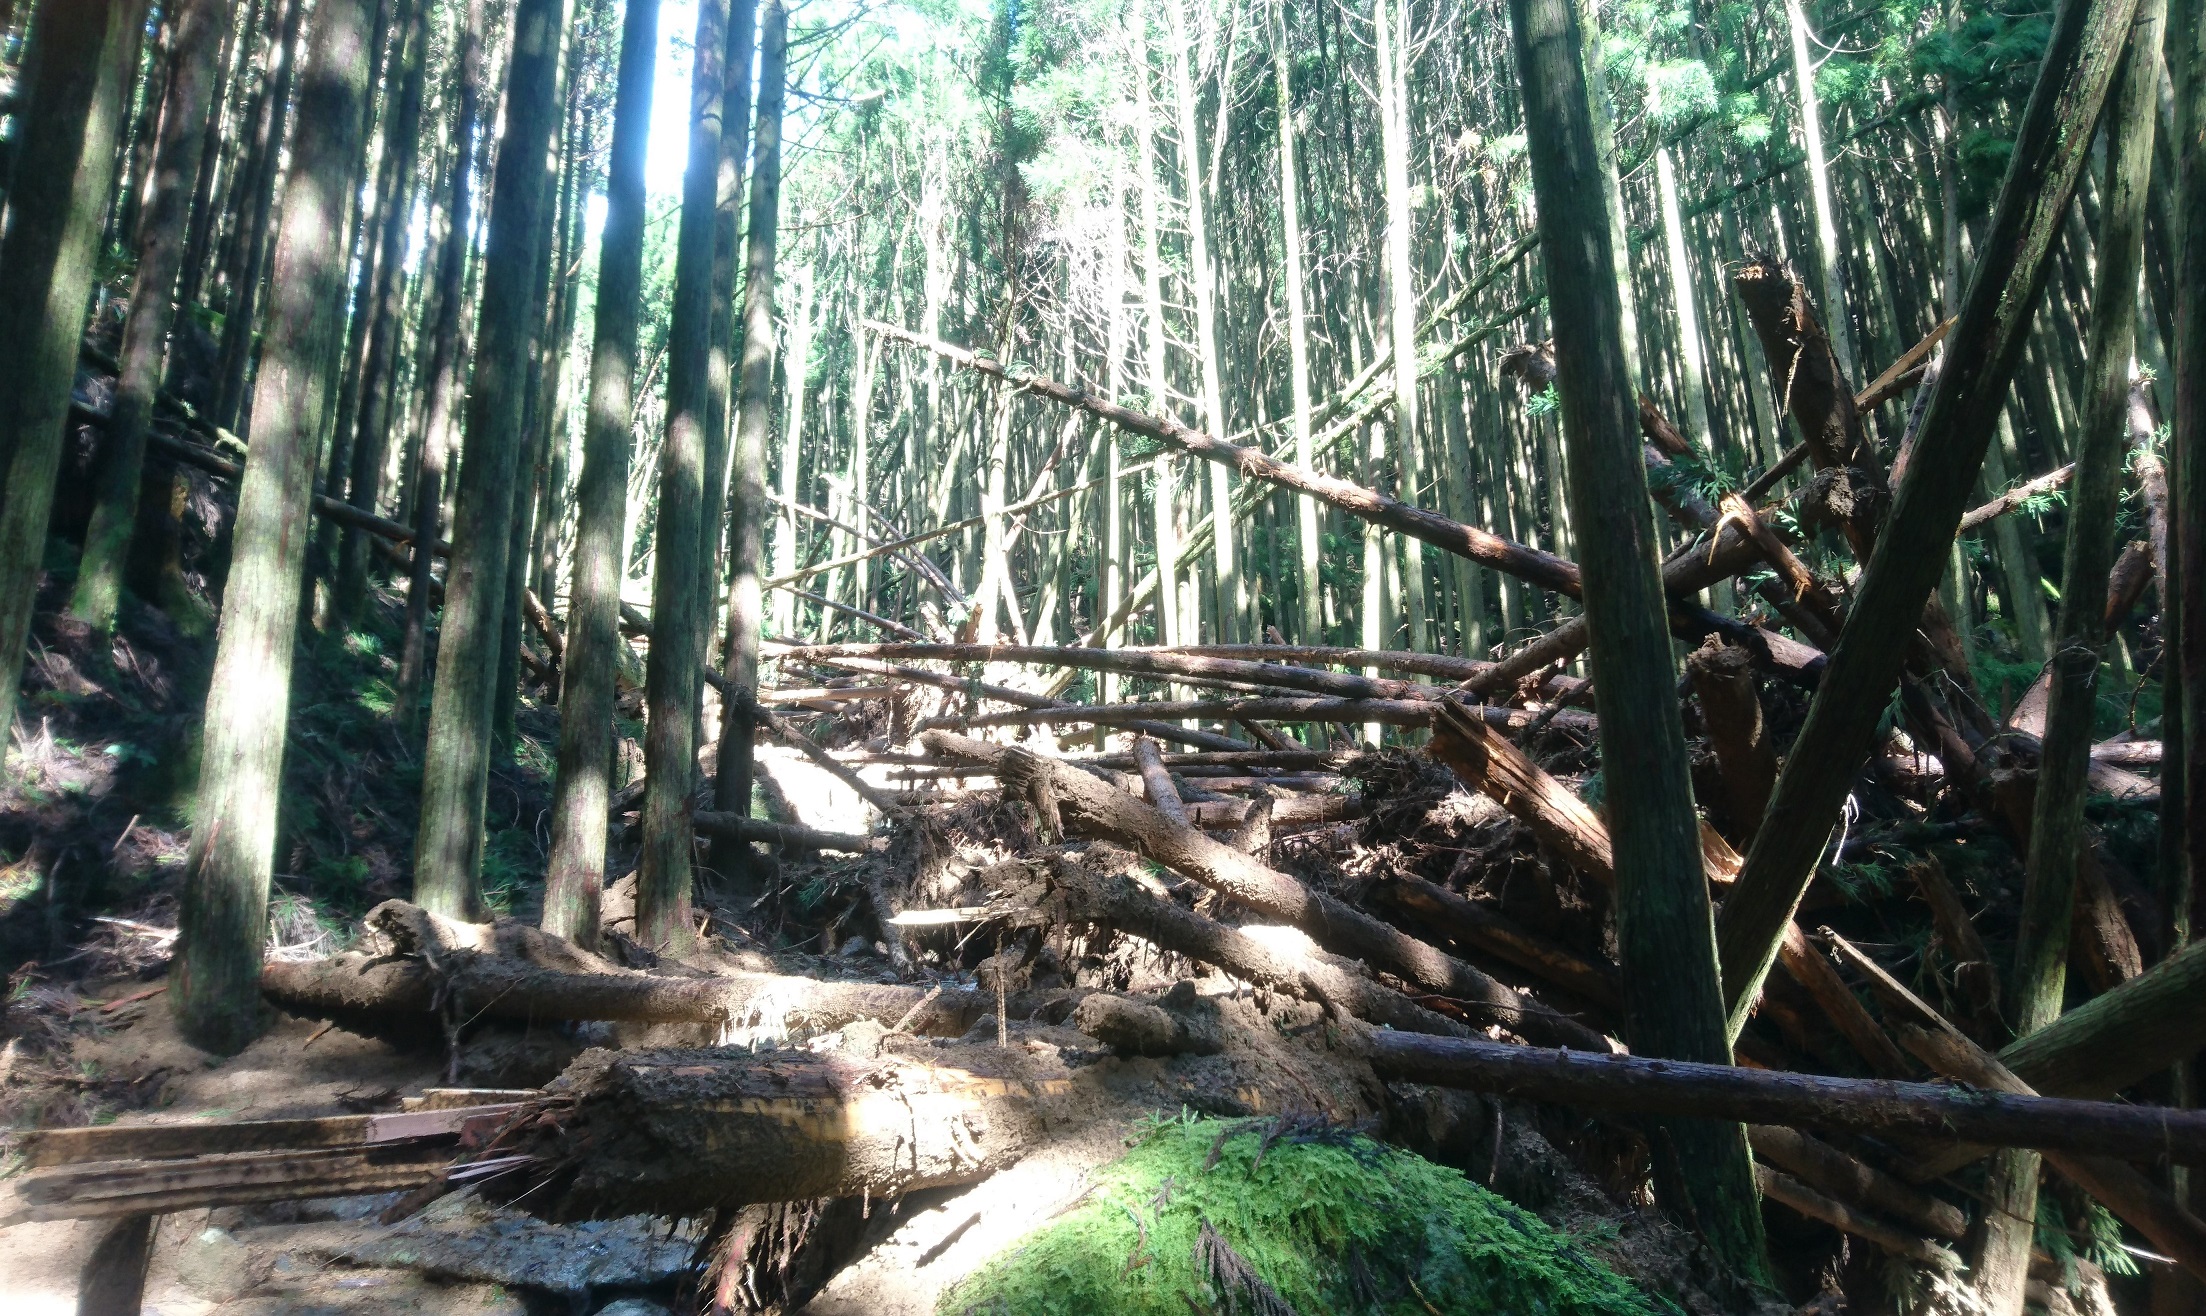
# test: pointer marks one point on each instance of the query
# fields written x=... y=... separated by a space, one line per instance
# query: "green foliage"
x=2096 y=1238
x=1546 y=402
x=1216 y=1216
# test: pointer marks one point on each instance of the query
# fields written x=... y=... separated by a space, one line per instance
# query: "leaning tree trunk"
x=1672 y=998
x=2052 y=142
x=198 y=40
x=456 y=762
x=754 y=396
x=64 y=170
x=216 y=987
x=576 y=874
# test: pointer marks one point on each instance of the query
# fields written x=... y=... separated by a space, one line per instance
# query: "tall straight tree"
x=2052 y=141
x=190 y=92
x=727 y=241
x=2187 y=441
x=680 y=598
x=441 y=397
x=373 y=419
x=1673 y=1001
x=1390 y=22
x=576 y=875
x=1312 y=630
x=73 y=98
x=2002 y=1268
x=455 y=772
x=754 y=418
x=250 y=256
x=215 y=989
x=1230 y=599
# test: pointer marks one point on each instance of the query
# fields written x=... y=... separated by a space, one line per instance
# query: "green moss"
x=1264 y=1217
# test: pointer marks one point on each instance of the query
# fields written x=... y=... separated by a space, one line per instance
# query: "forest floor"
x=95 y=815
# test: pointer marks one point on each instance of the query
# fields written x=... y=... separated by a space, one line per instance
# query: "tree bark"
x=456 y=762
x=376 y=416
x=754 y=393
x=575 y=875
x=1673 y=1000
x=1104 y=810
x=63 y=174
x=223 y=915
x=1683 y=1088
x=199 y=28
x=2051 y=146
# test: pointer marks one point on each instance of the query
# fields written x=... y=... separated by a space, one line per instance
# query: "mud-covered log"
x=682 y=1132
x=1105 y=811
x=1142 y=1028
x=1759 y=1096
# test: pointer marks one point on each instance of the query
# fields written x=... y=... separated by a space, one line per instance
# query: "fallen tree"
x=1760 y=1096
x=1101 y=810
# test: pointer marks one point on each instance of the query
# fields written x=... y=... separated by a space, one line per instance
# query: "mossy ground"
x=1263 y=1217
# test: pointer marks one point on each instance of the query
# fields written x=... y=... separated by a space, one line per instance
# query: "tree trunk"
x=63 y=175
x=754 y=397
x=456 y=761
x=223 y=917
x=679 y=599
x=1673 y=1001
x=375 y=415
x=727 y=234
x=1311 y=629
x=199 y=27
x=241 y=314
x=1819 y=183
x=440 y=402
x=575 y=874
x=2051 y=145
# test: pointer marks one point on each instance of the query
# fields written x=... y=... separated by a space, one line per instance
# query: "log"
x=1488 y=763
x=1025 y=699
x=1731 y=708
x=1139 y=1028
x=788 y=836
x=107 y=1189
x=1839 y=1004
x=1112 y=814
x=1512 y=559
x=1827 y=1169
x=1476 y=927
x=811 y=749
x=1144 y=715
x=1440 y=665
x=1164 y=665
x=1080 y=892
x=1976 y=516
x=1814 y=1205
x=1975 y=977
x=2151 y=1210
x=1760 y=1096
x=1164 y=797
